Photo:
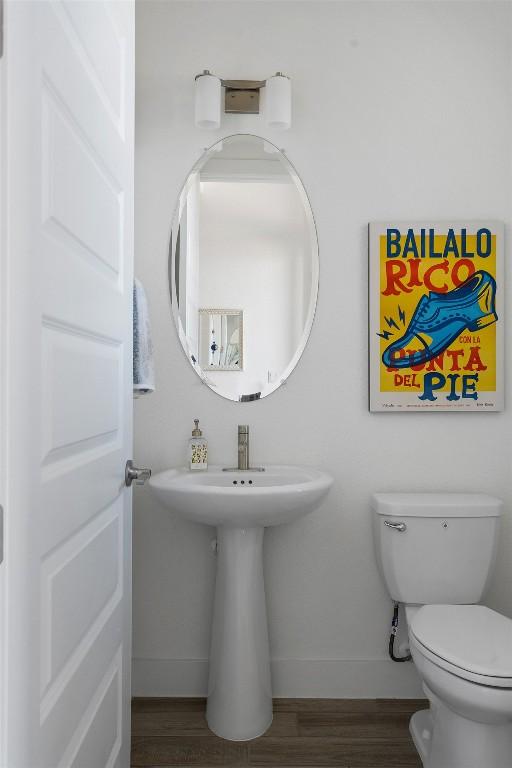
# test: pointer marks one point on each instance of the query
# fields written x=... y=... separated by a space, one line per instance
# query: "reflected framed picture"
x=436 y=316
x=221 y=339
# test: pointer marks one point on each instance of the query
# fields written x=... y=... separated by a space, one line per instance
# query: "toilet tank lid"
x=437 y=504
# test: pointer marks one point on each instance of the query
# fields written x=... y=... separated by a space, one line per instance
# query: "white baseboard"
x=293 y=678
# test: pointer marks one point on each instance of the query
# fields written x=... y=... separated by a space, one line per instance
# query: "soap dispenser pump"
x=198 y=449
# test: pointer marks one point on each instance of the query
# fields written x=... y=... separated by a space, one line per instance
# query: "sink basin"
x=241 y=504
x=250 y=498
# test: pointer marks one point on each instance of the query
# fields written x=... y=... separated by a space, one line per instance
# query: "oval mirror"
x=243 y=268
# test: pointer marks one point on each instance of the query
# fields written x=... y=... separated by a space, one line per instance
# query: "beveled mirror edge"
x=315 y=263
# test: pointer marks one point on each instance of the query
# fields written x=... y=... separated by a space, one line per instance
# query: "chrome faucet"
x=243 y=453
x=243 y=446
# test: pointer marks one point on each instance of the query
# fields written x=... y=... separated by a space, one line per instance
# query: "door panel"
x=76 y=593
x=79 y=368
x=91 y=218
x=104 y=49
x=70 y=84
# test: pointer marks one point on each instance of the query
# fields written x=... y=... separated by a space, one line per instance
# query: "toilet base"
x=420 y=726
x=445 y=739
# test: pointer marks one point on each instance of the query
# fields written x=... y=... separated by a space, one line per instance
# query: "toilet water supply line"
x=394 y=630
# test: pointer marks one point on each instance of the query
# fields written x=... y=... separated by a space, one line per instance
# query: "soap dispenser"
x=198 y=449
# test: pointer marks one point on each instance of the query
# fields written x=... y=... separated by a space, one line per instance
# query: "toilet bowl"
x=436 y=553
x=464 y=657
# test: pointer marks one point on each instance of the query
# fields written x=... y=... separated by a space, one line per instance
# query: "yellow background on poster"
x=400 y=309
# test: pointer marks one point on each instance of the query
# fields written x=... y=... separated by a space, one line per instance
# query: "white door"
x=67 y=219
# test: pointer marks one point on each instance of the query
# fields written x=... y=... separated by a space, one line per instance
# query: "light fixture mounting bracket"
x=242 y=96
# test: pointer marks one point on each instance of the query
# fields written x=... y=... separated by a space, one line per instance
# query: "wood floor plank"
x=152 y=751
x=169 y=722
x=284 y=725
x=349 y=705
x=324 y=705
x=401 y=705
x=167 y=704
x=355 y=725
x=327 y=752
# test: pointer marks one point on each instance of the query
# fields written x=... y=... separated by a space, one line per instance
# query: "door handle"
x=400 y=527
x=132 y=473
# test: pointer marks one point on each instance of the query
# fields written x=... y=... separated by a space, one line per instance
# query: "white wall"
x=401 y=110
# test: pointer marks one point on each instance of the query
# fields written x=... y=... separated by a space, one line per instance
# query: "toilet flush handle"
x=400 y=527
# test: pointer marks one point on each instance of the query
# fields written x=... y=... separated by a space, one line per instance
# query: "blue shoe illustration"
x=440 y=317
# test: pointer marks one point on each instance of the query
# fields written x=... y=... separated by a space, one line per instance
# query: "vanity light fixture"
x=242 y=97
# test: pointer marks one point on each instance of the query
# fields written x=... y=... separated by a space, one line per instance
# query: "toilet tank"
x=445 y=553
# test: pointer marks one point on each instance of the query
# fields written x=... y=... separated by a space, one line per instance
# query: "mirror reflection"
x=221 y=339
x=243 y=268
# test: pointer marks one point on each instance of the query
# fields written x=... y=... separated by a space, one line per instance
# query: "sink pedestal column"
x=239 y=690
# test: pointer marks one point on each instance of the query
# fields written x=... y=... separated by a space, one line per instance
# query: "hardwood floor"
x=346 y=733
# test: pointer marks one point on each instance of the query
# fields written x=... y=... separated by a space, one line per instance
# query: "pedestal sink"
x=240 y=505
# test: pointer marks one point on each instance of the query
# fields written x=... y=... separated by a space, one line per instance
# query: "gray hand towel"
x=143 y=366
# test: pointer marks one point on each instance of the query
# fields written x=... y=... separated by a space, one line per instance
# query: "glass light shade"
x=278 y=102
x=208 y=100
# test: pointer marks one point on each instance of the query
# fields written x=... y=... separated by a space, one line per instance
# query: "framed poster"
x=436 y=316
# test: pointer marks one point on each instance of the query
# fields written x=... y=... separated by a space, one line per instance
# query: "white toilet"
x=436 y=552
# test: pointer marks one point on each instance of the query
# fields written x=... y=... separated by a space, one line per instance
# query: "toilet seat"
x=470 y=641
